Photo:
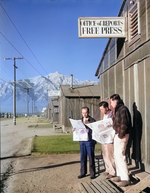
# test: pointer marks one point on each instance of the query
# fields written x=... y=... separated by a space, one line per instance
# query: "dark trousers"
x=87 y=148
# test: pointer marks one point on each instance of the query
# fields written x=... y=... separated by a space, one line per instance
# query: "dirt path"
x=46 y=174
x=13 y=135
x=35 y=174
x=16 y=140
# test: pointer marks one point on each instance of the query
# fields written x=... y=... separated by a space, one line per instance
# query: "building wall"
x=71 y=108
x=51 y=113
x=129 y=77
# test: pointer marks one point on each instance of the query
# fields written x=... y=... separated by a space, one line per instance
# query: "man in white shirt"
x=108 y=149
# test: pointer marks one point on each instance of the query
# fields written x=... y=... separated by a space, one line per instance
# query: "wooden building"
x=71 y=101
x=52 y=110
x=125 y=69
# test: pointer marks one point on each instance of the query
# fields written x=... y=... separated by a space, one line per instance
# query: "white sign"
x=53 y=93
x=102 y=131
x=80 y=132
x=101 y=27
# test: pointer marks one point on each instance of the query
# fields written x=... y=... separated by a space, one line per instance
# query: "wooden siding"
x=71 y=108
x=129 y=77
x=147 y=110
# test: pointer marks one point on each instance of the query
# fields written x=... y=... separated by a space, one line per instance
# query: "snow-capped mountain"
x=37 y=89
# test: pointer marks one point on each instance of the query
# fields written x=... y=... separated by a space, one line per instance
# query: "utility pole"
x=14 y=96
x=27 y=101
x=32 y=107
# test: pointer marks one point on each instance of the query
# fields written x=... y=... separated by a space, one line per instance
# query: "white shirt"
x=105 y=116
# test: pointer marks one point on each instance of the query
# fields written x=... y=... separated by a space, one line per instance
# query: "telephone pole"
x=27 y=101
x=14 y=96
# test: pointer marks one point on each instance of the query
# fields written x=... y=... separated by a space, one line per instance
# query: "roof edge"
x=120 y=11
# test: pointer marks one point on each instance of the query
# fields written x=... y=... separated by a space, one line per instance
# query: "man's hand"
x=73 y=129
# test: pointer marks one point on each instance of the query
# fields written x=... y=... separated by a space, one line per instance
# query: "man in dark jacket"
x=87 y=147
x=122 y=127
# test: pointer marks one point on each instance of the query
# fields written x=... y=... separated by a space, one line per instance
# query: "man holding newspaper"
x=108 y=148
x=100 y=131
x=83 y=134
x=107 y=132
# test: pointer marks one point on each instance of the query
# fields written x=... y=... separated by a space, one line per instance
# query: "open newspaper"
x=102 y=131
x=80 y=132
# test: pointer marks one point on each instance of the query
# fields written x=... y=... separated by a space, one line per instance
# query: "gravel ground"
x=51 y=174
x=46 y=174
x=16 y=140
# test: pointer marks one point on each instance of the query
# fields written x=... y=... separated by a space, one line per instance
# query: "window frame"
x=131 y=41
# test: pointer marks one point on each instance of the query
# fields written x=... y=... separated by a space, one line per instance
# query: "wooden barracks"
x=125 y=69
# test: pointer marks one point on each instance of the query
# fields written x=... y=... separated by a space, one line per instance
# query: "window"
x=120 y=43
x=110 y=56
x=133 y=23
x=112 y=48
x=101 y=68
x=56 y=109
x=106 y=61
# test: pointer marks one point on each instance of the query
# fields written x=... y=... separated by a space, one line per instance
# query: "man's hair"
x=104 y=104
x=115 y=97
x=88 y=111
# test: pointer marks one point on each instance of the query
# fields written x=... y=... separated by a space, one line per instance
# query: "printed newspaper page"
x=102 y=131
x=80 y=133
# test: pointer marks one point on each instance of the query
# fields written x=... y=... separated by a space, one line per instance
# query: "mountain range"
x=35 y=91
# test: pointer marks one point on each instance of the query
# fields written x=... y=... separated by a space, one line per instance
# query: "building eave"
x=97 y=71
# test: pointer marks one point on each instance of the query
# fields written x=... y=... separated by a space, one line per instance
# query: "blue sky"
x=50 y=30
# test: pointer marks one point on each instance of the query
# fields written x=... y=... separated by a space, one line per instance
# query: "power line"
x=6 y=73
x=26 y=59
x=24 y=40
x=20 y=53
x=2 y=79
x=23 y=73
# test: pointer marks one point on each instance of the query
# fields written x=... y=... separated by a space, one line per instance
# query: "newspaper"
x=102 y=131
x=80 y=132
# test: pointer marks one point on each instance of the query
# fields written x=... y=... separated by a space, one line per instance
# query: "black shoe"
x=92 y=177
x=81 y=176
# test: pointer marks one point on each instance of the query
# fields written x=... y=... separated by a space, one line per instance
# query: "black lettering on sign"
x=104 y=23
x=115 y=23
x=110 y=23
x=100 y=23
x=88 y=23
x=106 y=30
x=120 y=23
x=83 y=30
x=90 y=30
x=116 y=30
x=120 y=30
x=83 y=23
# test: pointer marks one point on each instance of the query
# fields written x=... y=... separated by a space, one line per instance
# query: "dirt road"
x=12 y=137
x=46 y=174
x=16 y=140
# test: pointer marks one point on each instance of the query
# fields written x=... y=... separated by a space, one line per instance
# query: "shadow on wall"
x=136 y=136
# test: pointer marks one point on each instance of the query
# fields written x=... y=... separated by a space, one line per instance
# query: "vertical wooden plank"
x=132 y=86
x=147 y=109
x=111 y=81
x=119 y=79
x=106 y=85
x=141 y=108
x=148 y=18
x=126 y=75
